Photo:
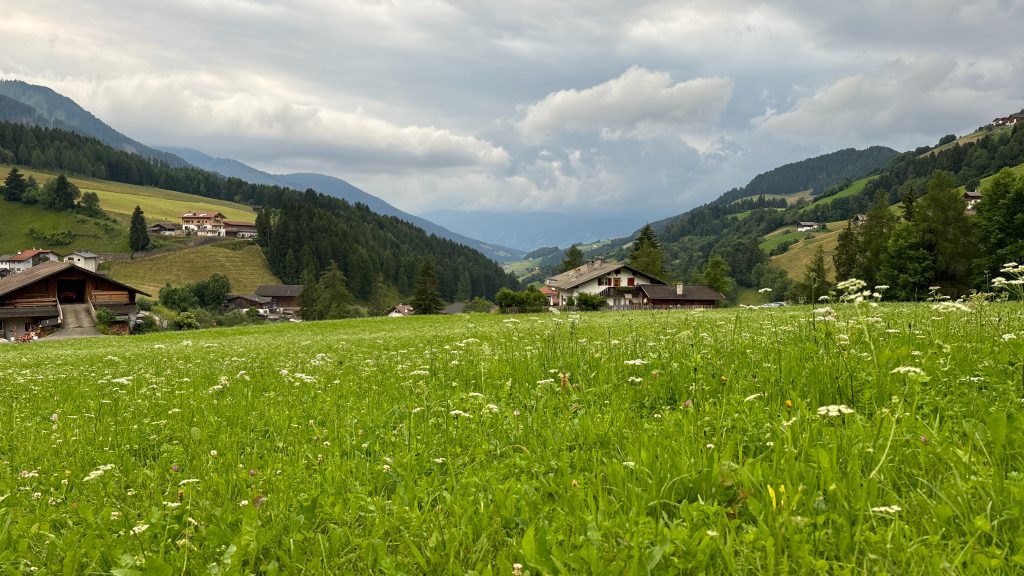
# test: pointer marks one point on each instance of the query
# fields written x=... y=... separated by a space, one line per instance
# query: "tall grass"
x=661 y=442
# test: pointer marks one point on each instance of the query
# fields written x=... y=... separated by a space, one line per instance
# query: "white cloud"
x=898 y=104
x=640 y=104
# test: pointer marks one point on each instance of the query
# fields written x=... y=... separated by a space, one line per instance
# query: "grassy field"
x=16 y=219
x=241 y=261
x=159 y=205
x=794 y=260
x=850 y=190
x=967 y=139
x=845 y=440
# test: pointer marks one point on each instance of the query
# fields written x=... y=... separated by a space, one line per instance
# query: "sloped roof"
x=583 y=274
x=202 y=215
x=238 y=223
x=83 y=254
x=690 y=292
x=25 y=255
x=47 y=269
x=456 y=308
x=279 y=290
x=250 y=298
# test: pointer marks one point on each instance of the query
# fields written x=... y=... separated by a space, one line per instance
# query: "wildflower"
x=630 y=465
x=764 y=290
x=753 y=397
x=386 y=468
x=635 y=379
x=174 y=468
x=172 y=504
x=213 y=453
x=892 y=509
x=54 y=417
x=258 y=500
x=139 y=528
x=28 y=474
x=188 y=481
x=114 y=514
x=243 y=503
x=457 y=413
x=789 y=404
x=1008 y=337
x=709 y=446
x=98 y=472
x=688 y=403
x=637 y=362
x=923 y=439
x=711 y=533
x=475 y=395
x=835 y=410
x=517 y=569
x=491 y=408
x=545 y=381
x=724 y=379
x=439 y=460
x=252 y=473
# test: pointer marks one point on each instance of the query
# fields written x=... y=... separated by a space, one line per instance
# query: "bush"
x=480 y=305
x=186 y=321
x=529 y=300
x=590 y=302
x=233 y=318
x=144 y=325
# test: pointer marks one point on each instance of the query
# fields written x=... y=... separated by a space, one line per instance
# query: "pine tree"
x=333 y=300
x=138 y=235
x=942 y=215
x=573 y=258
x=1001 y=221
x=427 y=296
x=14 y=185
x=647 y=255
x=847 y=252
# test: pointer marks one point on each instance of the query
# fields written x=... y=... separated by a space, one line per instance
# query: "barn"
x=41 y=296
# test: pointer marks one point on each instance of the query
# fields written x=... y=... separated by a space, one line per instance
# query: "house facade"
x=595 y=277
x=87 y=260
x=164 y=229
x=285 y=296
x=26 y=259
x=33 y=299
x=680 y=296
x=972 y=198
x=203 y=223
x=806 y=226
x=243 y=230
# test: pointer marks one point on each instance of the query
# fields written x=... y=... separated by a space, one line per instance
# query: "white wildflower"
x=753 y=397
x=892 y=509
x=909 y=370
x=835 y=410
x=630 y=465
x=98 y=472
x=139 y=528
x=637 y=362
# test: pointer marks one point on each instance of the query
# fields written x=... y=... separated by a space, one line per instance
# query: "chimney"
x=679 y=289
x=599 y=261
x=590 y=265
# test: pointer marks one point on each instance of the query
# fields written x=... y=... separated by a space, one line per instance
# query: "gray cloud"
x=525 y=104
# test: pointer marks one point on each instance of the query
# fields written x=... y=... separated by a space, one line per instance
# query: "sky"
x=595 y=107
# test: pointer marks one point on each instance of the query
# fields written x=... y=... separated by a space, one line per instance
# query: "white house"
x=806 y=226
x=595 y=277
x=203 y=223
x=26 y=259
x=86 y=260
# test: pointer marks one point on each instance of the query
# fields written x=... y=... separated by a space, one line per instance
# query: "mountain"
x=529 y=230
x=340 y=189
x=53 y=110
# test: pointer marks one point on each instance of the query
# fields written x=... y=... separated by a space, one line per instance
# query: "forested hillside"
x=735 y=229
x=303 y=232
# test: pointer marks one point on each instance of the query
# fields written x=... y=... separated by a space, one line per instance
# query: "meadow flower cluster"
x=836 y=438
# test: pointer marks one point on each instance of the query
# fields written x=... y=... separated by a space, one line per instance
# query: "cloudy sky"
x=600 y=106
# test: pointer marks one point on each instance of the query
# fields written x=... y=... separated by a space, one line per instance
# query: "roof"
x=808 y=223
x=83 y=254
x=235 y=223
x=250 y=298
x=972 y=194
x=166 y=226
x=279 y=290
x=403 y=309
x=47 y=269
x=587 y=272
x=548 y=291
x=25 y=255
x=202 y=215
x=691 y=292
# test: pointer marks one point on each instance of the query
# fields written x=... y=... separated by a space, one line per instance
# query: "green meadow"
x=843 y=439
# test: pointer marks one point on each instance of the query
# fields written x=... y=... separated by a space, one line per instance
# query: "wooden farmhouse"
x=37 y=297
x=625 y=287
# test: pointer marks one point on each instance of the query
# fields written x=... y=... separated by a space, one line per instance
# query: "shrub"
x=186 y=321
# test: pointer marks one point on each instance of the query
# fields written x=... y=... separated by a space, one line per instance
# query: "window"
x=631 y=282
x=618 y=281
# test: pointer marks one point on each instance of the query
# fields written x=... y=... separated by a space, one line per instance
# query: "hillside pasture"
x=850 y=190
x=159 y=205
x=795 y=260
x=17 y=219
x=841 y=440
x=241 y=261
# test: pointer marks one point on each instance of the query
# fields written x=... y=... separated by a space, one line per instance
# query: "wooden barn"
x=40 y=296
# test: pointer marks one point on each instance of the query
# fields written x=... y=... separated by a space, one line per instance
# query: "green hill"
x=96 y=235
x=240 y=260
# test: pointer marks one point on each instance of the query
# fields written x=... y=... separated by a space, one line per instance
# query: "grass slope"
x=850 y=190
x=16 y=219
x=241 y=261
x=795 y=260
x=774 y=441
x=158 y=204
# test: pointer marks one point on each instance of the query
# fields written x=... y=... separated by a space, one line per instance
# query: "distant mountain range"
x=340 y=189
x=48 y=108
x=529 y=230
x=38 y=105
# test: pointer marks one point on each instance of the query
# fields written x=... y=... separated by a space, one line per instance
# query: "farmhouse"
x=806 y=226
x=680 y=296
x=164 y=229
x=203 y=223
x=25 y=259
x=594 y=277
x=86 y=260
x=281 y=295
x=39 y=297
x=233 y=229
x=972 y=198
x=246 y=301
x=551 y=294
x=400 y=310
